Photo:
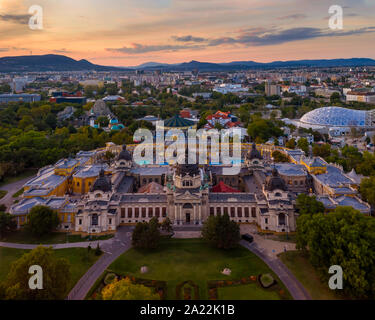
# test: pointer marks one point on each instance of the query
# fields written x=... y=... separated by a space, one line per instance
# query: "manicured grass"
x=79 y=259
x=247 y=292
x=54 y=238
x=178 y=260
x=7 y=256
x=299 y=265
x=3 y=193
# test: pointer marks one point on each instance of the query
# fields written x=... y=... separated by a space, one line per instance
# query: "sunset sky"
x=130 y=32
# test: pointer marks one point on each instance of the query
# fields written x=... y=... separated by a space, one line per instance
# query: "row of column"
x=179 y=216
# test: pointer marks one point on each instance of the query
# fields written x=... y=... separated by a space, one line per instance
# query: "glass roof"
x=335 y=116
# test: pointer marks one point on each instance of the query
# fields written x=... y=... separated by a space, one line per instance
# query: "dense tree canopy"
x=308 y=205
x=56 y=277
x=279 y=156
x=42 y=220
x=367 y=190
x=146 y=235
x=221 y=232
x=263 y=129
x=7 y=223
x=346 y=238
x=125 y=290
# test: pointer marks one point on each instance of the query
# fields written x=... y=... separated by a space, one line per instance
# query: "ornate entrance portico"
x=187 y=218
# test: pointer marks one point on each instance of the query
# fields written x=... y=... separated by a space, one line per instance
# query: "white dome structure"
x=338 y=117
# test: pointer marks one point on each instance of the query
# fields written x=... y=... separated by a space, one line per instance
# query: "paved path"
x=85 y=244
x=12 y=188
x=120 y=244
x=295 y=288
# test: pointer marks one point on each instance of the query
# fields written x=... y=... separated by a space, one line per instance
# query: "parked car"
x=247 y=237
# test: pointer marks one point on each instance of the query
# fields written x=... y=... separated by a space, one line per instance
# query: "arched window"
x=277 y=194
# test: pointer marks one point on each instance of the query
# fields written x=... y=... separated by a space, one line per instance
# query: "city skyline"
x=127 y=33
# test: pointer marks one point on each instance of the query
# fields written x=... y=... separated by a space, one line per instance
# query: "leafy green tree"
x=56 y=277
x=309 y=205
x=279 y=156
x=221 y=232
x=367 y=190
x=303 y=144
x=323 y=150
x=335 y=98
x=291 y=144
x=42 y=220
x=344 y=237
x=146 y=235
x=263 y=129
x=7 y=223
x=125 y=290
x=103 y=121
x=166 y=225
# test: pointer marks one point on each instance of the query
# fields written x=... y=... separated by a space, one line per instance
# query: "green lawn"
x=178 y=260
x=247 y=292
x=54 y=238
x=76 y=256
x=3 y=193
x=300 y=266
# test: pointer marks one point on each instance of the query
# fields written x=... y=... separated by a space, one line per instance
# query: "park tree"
x=335 y=98
x=7 y=223
x=263 y=129
x=367 y=190
x=308 y=205
x=56 y=277
x=125 y=290
x=42 y=220
x=323 y=150
x=166 y=225
x=344 y=237
x=221 y=232
x=279 y=156
x=146 y=235
x=303 y=144
x=103 y=121
x=291 y=144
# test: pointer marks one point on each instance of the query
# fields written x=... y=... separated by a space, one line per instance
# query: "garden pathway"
x=295 y=288
x=112 y=250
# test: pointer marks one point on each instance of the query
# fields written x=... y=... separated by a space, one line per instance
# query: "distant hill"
x=49 y=62
x=52 y=62
x=246 y=65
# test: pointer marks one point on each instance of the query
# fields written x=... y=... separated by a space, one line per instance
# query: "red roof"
x=223 y=188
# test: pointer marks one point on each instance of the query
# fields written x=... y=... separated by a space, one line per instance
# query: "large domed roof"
x=336 y=117
x=102 y=183
x=274 y=182
x=124 y=154
x=254 y=153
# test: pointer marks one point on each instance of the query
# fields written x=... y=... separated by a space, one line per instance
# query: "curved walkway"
x=120 y=244
x=12 y=188
x=295 y=288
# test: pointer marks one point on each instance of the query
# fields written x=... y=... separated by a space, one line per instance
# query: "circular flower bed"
x=266 y=280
